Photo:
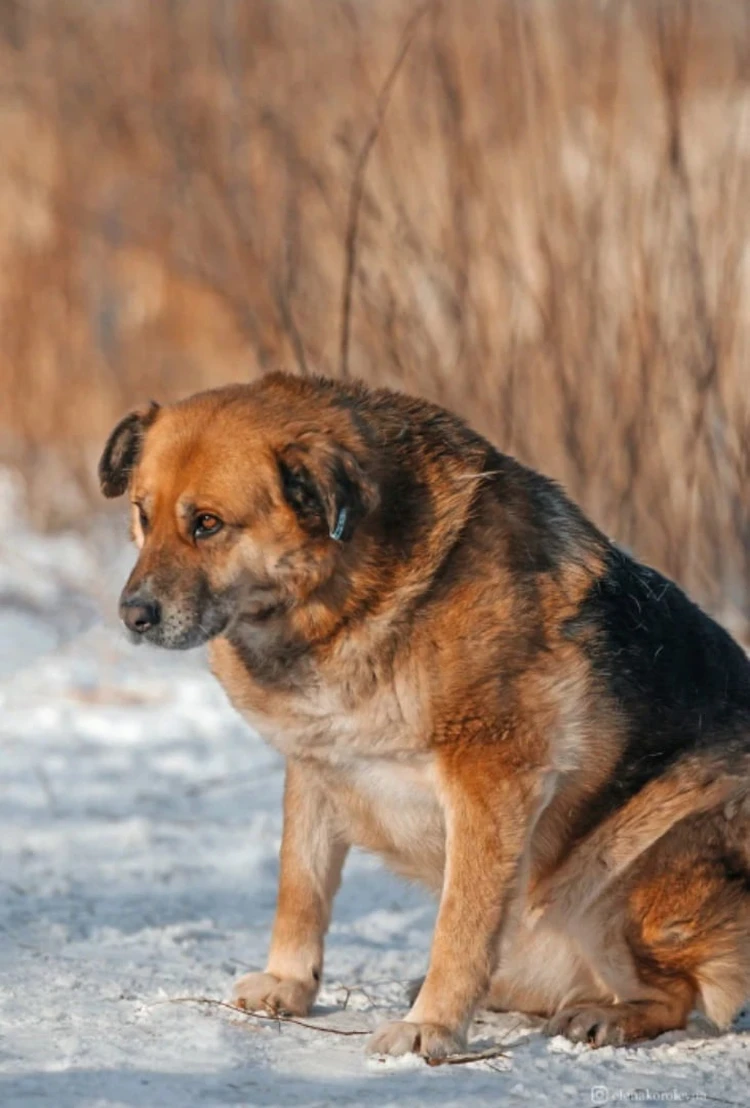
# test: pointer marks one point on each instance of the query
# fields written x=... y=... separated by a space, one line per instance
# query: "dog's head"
x=244 y=501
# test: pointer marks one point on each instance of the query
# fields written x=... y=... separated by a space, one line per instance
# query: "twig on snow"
x=449 y=1060
x=269 y=1017
x=348 y=990
x=469 y=1056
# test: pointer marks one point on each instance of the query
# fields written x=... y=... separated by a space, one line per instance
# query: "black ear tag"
x=338 y=531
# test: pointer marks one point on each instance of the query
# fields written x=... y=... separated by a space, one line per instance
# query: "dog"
x=465 y=676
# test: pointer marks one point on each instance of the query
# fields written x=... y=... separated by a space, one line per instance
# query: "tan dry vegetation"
x=537 y=213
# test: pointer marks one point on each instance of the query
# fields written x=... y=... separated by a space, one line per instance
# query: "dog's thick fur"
x=465 y=676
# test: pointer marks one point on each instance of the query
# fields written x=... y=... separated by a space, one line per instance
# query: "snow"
x=139 y=830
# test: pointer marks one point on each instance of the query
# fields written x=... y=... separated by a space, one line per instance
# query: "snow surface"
x=139 y=830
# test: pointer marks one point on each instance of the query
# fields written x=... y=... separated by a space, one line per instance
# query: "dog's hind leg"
x=675 y=935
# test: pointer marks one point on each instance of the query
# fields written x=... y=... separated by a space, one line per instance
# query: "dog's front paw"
x=263 y=992
x=429 y=1040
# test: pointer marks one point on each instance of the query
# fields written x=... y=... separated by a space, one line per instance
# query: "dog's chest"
x=392 y=808
x=336 y=722
x=372 y=746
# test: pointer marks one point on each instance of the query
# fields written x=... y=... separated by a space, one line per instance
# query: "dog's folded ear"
x=326 y=486
x=122 y=450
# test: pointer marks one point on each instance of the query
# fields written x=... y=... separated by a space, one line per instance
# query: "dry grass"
x=535 y=212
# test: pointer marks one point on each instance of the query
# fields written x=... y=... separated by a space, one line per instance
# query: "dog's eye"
x=142 y=519
x=205 y=525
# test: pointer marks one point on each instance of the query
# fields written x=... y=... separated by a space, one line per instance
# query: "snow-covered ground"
x=139 y=828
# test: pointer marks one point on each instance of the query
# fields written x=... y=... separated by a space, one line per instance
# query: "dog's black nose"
x=140 y=615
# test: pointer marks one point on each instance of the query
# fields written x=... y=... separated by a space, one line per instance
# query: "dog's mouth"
x=172 y=626
x=177 y=634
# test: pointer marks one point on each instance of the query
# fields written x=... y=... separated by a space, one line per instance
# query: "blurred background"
x=534 y=212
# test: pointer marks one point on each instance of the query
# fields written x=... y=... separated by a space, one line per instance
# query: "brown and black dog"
x=465 y=676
